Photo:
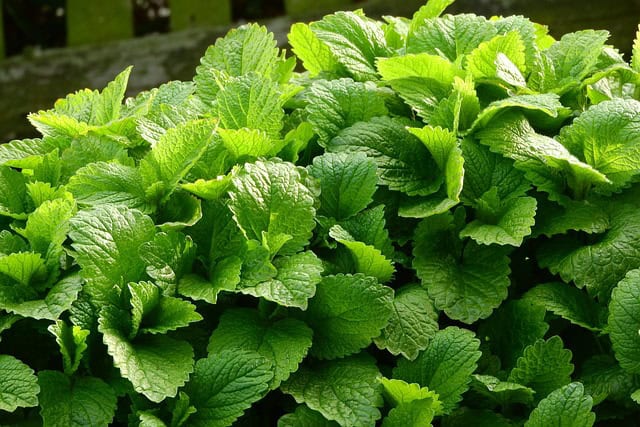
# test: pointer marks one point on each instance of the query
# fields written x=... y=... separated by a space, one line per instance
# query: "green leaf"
x=248 y=48
x=544 y=366
x=575 y=55
x=414 y=406
x=502 y=392
x=603 y=261
x=466 y=281
x=305 y=417
x=73 y=343
x=270 y=201
x=225 y=384
x=347 y=183
x=175 y=154
x=294 y=283
x=315 y=55
x=513 y=327
x=489 y=58
x=422 y=80
x=24 y=268
x=368 y=227
x=397 y=392
x=459 y=110
x=347 y=312
x=245 y=144
x=156 y=365
x=367 y=259
x=552 y=219
x=569 y=303
x=109 y=183
x=604 y=378
x=606 y=138
x=11 y=242
x=464 y=417
x=404 y=163
x=251 y=102
x=413 y=323
x=568 y=406
x=635 y=57
x=355 y=41
x=14 y=152
x=539 y=156
x=225 y=276
x=450 y=36
x=624 y=321
x=417 y=413
x=89 y=149
x=75 y=402
x=345 y=390
x=501 y=222
x=153 y=313
x=284 y=342
x=169 y=256
x=18 y=384
x=432 y=9
x=210 y=189
x=106 y=241
x=445 y=367
x=58 y=300
x=13 y=192
x=334 y=105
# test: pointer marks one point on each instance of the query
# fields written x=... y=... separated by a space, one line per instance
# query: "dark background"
x=39 y=67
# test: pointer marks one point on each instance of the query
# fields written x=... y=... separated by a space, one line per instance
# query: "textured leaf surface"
x=568 y=406
x=347 y=312
x=345 y=390
x=283 y=342
x=445 y=366
x=624 y=321
x=225 y=384
x=18 y=384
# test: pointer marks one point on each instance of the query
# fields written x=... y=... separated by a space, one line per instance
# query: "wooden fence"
x=99 y=21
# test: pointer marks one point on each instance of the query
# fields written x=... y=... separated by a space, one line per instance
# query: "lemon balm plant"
x=435 y=222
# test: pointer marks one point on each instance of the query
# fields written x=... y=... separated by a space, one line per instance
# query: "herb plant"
x=436 y=222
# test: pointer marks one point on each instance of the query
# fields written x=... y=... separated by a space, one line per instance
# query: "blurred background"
x=49 y=48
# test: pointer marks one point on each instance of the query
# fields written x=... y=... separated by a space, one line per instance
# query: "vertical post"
x=314 y=8
x=2 y=53
x=98 y=21
x=199 y=13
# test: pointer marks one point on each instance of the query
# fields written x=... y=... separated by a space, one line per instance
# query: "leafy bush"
x=436 y=222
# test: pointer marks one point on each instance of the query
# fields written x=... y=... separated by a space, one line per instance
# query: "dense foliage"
x=437 y=222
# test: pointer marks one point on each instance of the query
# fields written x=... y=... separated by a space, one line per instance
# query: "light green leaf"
x=73 y=343
x=314 y=54
x=224 y=277
x=445 y=367
x=397 y=392
x=367 y=259
x=58 y=300
x=210 y=189
x=502 y=392
x=294 y=283
x=552 y=219
x=512 y=328
x=635 y=57
x=459 y=110
x=567 y=406
x=368 y=227
x=404 y=163
x=284 y=342
x=569 y=303
x=13 y=193
x=422 y=80
x=600 y=263
x=624 y=321
x=269 y=201
x=89 y=149
x=334 y=105
x=75 y=402
x=156 y=365
x=106 y=241
x=355 y=41
x=11 y=242
x=486 y=60
x=14 y=152
x=575 y=55
x=413 y=323
x=24 y=268
x=244 y=144
x=466 y=281
x=305 y=417
x=18 y=384
x=251 y=102
x=168 y=256
x=153 y=313
x=605 y=137
x=347 y=183
x=109 y=183
x=345 y=390
x=175 y=154
x=432 y=9
x=347 y=312
x=225 y=384
x=450 y=36
x=417 y=413
x=544 y=366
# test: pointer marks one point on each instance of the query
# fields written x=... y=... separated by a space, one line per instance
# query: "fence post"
x=199 y=13
x=98 y=21
x=314 y=8
x=2 y=53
